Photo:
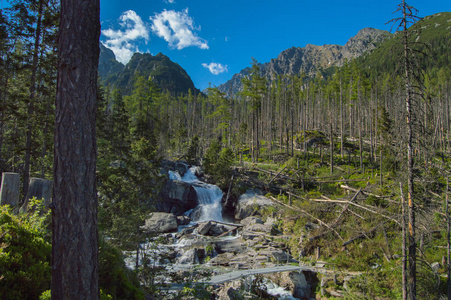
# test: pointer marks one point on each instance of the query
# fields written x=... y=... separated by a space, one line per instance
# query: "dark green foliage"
x=24 y=255
x=434 y=39
x=193 y=150
x=25 y=250
x=115 y=278
x=218 y=162
x=211 y=157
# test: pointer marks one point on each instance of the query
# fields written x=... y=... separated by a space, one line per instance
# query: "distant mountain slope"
x=311 y=59
x=166 y=74
x=432 y=37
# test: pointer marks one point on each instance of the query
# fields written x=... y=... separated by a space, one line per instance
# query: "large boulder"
x=203 y=228
x=249 y=204
x=301 y=284
x=189 y=257
x=178 y=197
x=237 y=245
x=159 y=222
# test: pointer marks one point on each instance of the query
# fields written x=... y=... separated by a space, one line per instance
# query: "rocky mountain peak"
x=311 y=58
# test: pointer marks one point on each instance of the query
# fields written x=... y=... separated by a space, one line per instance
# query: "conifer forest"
x=351 y=163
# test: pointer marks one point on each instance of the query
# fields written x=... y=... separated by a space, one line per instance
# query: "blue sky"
x=212 y=40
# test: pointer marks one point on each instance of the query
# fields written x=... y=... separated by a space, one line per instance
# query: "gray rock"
x=435 y=267
x=222 y=259
x=183 y=220
x=299 y=283
x=251 y=221
x=189 y=257
x=203 y=228
x=232 y=246
x=249 y=204
x=249 y=235
x=159 y=222
x=184 y=232
x=178 y=197
x=280 y=256
x=259 y=228
x=217 y=229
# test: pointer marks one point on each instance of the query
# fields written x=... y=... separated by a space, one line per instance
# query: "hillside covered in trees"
x=357 y=155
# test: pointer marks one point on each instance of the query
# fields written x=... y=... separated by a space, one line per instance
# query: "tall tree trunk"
x=74 y=209
x=404 y=245
x=410 y=188
x=341 y=119
x=37 y=38
x=448 y=240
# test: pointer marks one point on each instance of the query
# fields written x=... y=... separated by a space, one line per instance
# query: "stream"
x=186 y=250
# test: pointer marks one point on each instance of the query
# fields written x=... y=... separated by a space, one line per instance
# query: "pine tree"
x=74 y=210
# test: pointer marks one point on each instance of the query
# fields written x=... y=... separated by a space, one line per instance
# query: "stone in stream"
x=301 y=284
x=203 y=228
x=178 y=197
x=183 y=220
x=217 y=229
x=236 y=245
x=160 y=222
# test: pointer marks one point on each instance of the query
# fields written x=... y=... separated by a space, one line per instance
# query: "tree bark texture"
x=74 y=209
x=10 y=189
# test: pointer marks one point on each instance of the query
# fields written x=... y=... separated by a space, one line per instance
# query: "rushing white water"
x=209 y=195
x=174 y=175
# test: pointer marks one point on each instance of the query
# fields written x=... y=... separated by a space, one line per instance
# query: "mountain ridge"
x=311 y=58
x=168 y=75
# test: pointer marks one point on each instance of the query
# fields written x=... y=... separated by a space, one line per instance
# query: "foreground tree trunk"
x=74 y=208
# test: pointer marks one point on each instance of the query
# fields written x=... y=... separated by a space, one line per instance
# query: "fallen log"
x=276 y=176
x=365 y=234
x=307 y=214
x=227 y=232
x=358 y=205
x=345 y=187
x=228 y=224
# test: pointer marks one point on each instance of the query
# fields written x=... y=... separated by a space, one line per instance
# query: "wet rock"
x=183 y=220
x=184 y=232
x=232 y=246
x=301 y=284
x=189 y=257
x=159 y=222
x=228 y=293
x=217 y=229
x=178 y=197
x=250 y=204
x=203 y=228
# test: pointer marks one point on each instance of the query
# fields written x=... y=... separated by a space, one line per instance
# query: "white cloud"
x=177 y=28
x=215 y=68
x=169 y=1
x=121 y=41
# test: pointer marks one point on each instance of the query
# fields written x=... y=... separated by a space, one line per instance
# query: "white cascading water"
x=209 y=195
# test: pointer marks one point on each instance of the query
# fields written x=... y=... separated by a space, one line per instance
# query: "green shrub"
x=24 y=255
x=115 y=278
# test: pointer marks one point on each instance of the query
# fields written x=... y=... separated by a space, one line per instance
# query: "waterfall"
x=209 y=196
x=174 y=175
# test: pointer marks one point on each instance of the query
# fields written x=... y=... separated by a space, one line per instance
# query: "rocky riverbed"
x=189 y=233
